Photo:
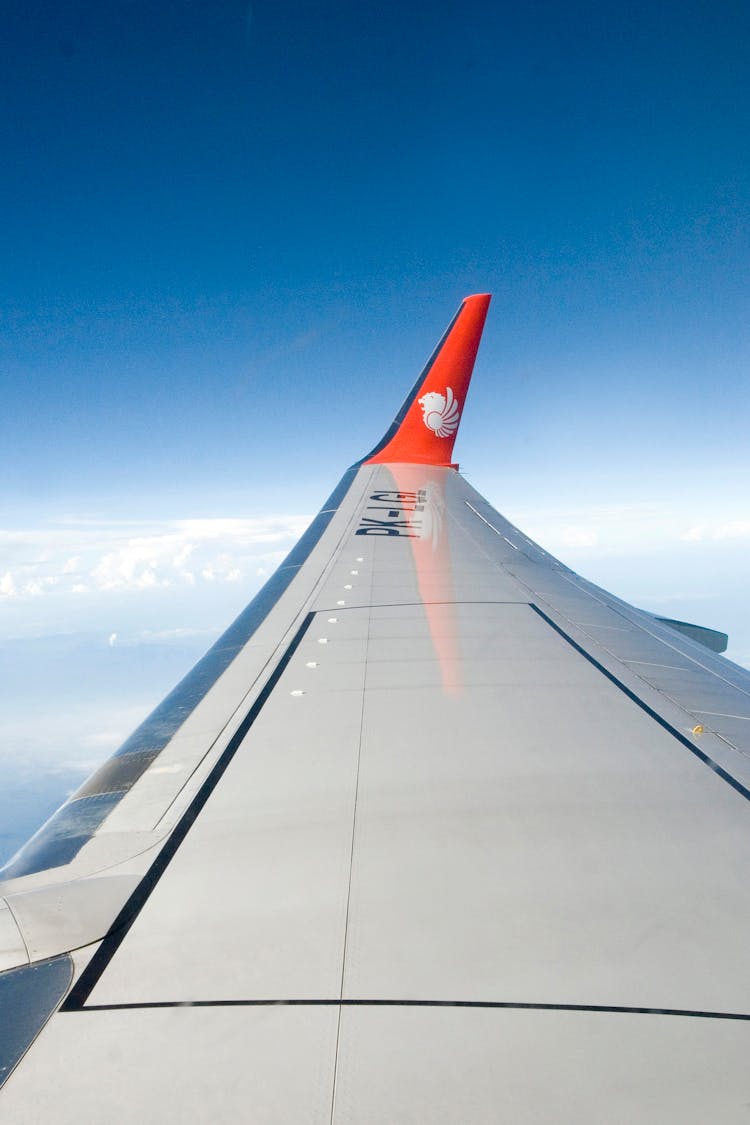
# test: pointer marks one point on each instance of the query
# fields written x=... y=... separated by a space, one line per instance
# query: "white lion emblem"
x=440 y=413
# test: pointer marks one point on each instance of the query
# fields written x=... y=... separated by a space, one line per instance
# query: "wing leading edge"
x=428 y=835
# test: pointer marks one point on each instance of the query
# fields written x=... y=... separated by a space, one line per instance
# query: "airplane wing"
x=437 y=831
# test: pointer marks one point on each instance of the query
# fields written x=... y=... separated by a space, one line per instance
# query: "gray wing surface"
x=438 y=832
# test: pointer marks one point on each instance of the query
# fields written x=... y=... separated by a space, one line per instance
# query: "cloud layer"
x=80 y=557
x=626 y=529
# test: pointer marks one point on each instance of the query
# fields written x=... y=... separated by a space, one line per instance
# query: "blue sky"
x=232 y=234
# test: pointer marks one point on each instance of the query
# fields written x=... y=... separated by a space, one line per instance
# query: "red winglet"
x=425 y=428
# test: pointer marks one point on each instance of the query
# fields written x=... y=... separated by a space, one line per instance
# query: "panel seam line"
x=351 y=851
x=381 y=1002
x=653 y=714
x=119 y=929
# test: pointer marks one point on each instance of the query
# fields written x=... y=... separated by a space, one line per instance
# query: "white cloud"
x=156 y=636
x=7 y=585
x=70 y=576
x=579 y=537
x=119 y=558
x=626 y=529
x=178 y=562
x=601 y=530
x=728 y=529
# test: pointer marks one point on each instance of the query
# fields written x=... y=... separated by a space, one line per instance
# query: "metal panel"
x=28 y=996
x=255 y=899
x=268 y=1065
x=12 y=949
x=447 y=1065
x=538 y=837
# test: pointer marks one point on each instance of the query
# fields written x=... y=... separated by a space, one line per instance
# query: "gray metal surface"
x=440 y=844
x=28 y=997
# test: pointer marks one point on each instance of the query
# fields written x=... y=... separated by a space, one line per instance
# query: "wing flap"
x=711 y=639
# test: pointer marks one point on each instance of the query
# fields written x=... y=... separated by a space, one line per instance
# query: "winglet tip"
x=427 y=435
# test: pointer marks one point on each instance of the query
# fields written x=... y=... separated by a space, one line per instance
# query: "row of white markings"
x=331 y=621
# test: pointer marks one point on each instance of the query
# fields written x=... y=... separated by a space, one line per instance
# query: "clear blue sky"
x=232 y=233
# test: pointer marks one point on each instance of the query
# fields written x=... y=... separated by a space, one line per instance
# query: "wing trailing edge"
x=712 y=639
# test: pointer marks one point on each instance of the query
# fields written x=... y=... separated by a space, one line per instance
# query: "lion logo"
x=440 y=413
